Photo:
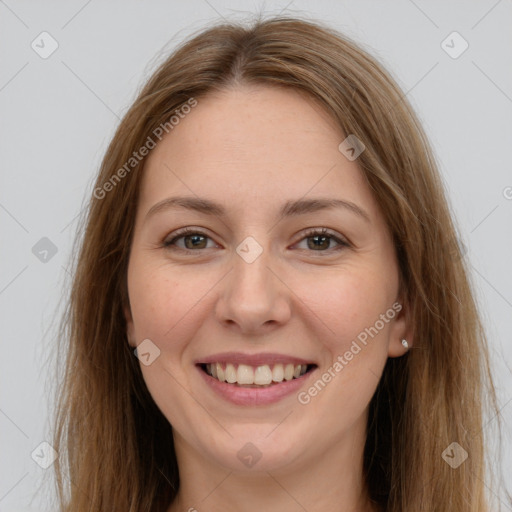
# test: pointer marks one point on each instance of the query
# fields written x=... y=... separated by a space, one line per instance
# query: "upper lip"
x=252 y=359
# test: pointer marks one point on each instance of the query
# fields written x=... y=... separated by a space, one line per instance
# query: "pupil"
x=195 y=239
x=324 y=238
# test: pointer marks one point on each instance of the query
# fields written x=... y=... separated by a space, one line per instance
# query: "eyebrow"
x=290 y=208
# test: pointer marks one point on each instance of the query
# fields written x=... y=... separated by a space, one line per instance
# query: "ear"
x=401 y=328
x=130 y=329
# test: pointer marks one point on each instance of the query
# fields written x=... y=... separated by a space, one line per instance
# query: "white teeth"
x=245 y=374
x=230 y=373
x=220 y=372
x=278 y=373
x=263 y=375
x=288 y=372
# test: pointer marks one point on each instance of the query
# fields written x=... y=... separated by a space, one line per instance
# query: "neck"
x=332 y=480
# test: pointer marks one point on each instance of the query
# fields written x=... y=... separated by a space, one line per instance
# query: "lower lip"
x=255 y=396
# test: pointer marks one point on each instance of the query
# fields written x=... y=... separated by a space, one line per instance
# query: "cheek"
x=162 y=302
x=154 y=302
x=347 y=301
x=167 y=301
x=350 y=306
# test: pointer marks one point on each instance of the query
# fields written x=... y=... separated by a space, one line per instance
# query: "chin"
x=250 y=451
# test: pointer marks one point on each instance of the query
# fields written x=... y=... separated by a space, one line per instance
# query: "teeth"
x=278 y=373
x=288 y=372
x=263 y=375
x=220 y=372
x=230 y=373
x=245 y=374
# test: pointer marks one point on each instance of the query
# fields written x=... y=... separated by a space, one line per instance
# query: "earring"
x=405 y=344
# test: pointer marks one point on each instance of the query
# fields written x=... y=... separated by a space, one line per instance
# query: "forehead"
x=253 y=143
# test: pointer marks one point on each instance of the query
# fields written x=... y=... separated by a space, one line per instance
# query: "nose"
x=253 y=298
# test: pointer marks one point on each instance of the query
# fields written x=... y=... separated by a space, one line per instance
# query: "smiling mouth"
x=262 y=376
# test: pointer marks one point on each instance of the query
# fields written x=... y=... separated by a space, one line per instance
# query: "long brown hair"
x=116 y=446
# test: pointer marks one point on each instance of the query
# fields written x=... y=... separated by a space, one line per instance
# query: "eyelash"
x=183 y=233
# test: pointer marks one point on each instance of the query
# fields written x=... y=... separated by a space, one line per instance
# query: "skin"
x=251 y=148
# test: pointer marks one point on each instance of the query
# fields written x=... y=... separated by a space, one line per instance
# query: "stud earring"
x=405 y=344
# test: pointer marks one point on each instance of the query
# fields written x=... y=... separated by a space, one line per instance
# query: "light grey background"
x=59 y=113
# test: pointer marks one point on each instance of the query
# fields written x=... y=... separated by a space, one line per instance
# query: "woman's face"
x=253 y=289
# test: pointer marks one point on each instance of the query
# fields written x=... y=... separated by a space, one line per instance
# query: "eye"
x=319 y=240
x=193 y=239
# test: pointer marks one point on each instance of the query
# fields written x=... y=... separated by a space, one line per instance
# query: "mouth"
x=261 y=376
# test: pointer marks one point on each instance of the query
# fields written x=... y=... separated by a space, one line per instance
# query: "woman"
x=270 y=310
